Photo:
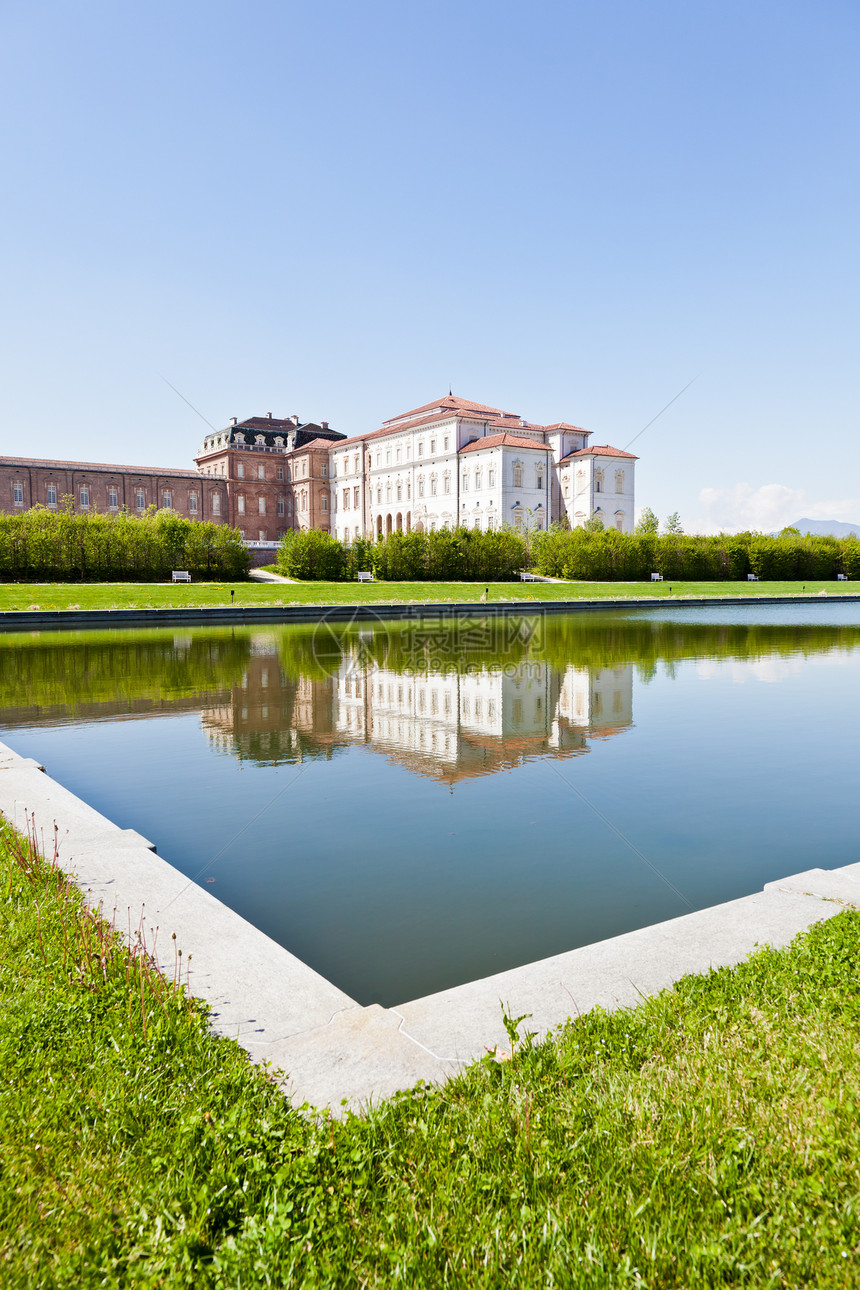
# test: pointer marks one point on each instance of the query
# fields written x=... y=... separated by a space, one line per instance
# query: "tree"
x=647 y=522
x=594 y=525
x=673 y=523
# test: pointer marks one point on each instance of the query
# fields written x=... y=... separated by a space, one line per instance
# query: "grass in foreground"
x=709 y=1137
x=125 y=595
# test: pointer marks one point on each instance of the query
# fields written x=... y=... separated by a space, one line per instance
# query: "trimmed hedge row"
x=46 y=546
x=446 y=555
x=610 y=556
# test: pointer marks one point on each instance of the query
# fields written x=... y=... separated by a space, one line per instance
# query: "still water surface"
x=410 y=806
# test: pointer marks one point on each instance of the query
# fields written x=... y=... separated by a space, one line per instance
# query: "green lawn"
x=710 y=1137
x=124 y=595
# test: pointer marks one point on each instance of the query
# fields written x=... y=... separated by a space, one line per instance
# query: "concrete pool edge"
x=333 y=1050
x=251 y=615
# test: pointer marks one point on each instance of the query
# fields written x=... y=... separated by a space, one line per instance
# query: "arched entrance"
x=388 y=523
x=398 y=523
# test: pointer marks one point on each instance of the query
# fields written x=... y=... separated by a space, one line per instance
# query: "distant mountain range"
x=826 y=528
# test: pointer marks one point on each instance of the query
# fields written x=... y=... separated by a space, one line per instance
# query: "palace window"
x=477 y=479
x=420 y=485
x=279 y=442
x=619 y=481
x=167 y=499
x=216 y=503
x=398 y=453
x=355 y=497
x=465 y=481
x=388 y=456
x=355 y=463
x=378 y=493
x=261 y=506
x=324 y=468
x=140 y=499
x=539 y=476
x=432 y=485
x=240 y=438
x=18 y=493
x=240 y=470
x=399 y=491
x=446 y=482
x=598 y=481
x=491 y=477
x=261 y=472
x=445 y=443
x=261 y=441
x=346 y=499
x=113 y=496
x=421 y=448
x=518 y=474
x=280 y=506
x=52 y=494
x=240 y=504
x=280 y=472
x=324 y=502
x=85 y=497
x=192 y=503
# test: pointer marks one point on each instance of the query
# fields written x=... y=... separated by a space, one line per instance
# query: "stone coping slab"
x=331 y=1052
x=63 y=619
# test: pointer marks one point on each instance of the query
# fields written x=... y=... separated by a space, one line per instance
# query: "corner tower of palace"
x=457 y=462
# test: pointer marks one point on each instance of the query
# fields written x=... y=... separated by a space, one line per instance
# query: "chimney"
x=269 y=415
x=295 y=418
x=323 y=425
x=233 y=421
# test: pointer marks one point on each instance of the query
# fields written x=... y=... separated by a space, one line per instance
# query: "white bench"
x=842 y=577
x=752 y=577
x=181 y=575
x=365 y=577
x=656 y=577
x=525 y=576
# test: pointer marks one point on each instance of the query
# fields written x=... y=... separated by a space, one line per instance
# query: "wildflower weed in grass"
x=708 y=1137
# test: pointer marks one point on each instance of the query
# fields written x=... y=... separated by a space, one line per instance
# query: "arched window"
x=240 y=438
x=261 y=441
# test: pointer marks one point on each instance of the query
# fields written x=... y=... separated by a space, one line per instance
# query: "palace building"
x=448 y=463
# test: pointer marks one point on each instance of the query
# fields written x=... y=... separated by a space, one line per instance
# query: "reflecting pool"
x=407 y=806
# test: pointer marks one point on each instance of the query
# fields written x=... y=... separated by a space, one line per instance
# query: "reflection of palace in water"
x=451 y=725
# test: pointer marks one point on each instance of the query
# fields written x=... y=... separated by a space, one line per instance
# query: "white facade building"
x=456 y=462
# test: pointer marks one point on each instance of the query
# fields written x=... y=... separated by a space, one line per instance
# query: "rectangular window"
x=167 y=499
x=261 y=472
x=355 y=498
x=323 y=503
x=355 y=464
x=240 y=502
x=280 y=505
x=280 y=472
x=398 y=452
x=18 y=493
x=261 y=506
x=324 y=468
x=446 y=443
x=388 y=456
x=491 y=477
x=261 y=535
x=432 y=447
x=113 y=502
x=346 y=499
x=52 y=494
x=240 y=470
x=140 y=499
x=192 y=503
x=216 y=503
x=432 y=485
x=421 y=448
x=85 y=498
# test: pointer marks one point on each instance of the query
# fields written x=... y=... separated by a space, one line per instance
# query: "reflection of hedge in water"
x=115 y=667
x=592 y=641
x=619 y=557
x=45 y=546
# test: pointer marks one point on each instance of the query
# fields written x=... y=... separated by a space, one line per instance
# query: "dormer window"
x=279 y=442
x=240 y=438
x=261 y=441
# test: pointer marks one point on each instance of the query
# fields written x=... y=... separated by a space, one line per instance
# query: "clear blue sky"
x=339 y=209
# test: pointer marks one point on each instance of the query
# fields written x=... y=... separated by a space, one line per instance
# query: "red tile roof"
x=99 y=465
x=565 y=425
x=319 y=443
x=504 y=441
x=450 y=403
x=601 y=450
